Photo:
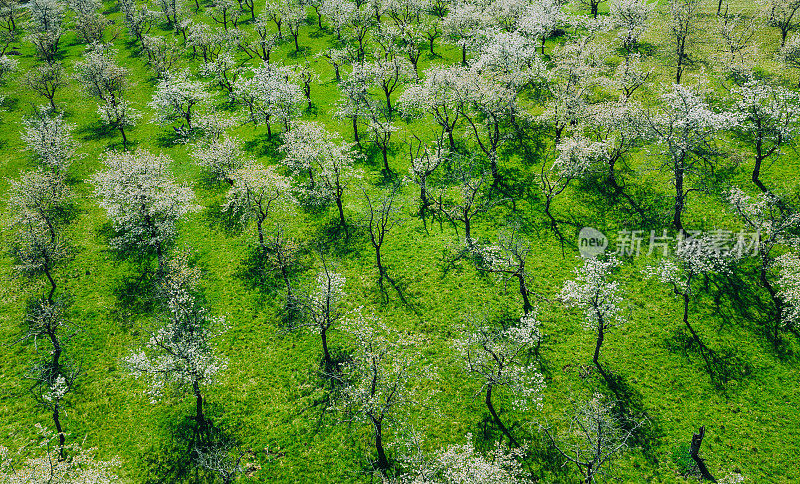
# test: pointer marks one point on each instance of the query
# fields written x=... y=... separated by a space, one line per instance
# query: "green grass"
x=271 y=396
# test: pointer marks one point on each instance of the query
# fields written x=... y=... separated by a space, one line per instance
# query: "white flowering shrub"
x=256 y=192
x=464 y=464
x=46 y=465
x=500 y=357
x=143 y=200
x=789 y=284
x=632 y=18
x=49 y=137
x=180 y=356
x=177 y=98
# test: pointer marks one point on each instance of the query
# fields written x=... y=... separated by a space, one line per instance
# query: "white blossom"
x=177 y=97
x=500 y=357
x=50 y=138
x=142 y=199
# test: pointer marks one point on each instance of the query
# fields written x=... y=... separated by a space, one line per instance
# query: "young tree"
x=143 y=201
x=738 y=49
x=270 y=96
x=295 y=17
x=181 y=355
x=541 y=18
x=224 y=69
x=388 y=74
x=598 y=297
x=423 y=165
x=138 y=18
x=780 y=13
x=104 y=79
x=311 y=149
x=225 y=12
x=45 y=25
x=490 y=111
x=382 y=129
x=47 y=466
x=257 y=191
x=683 y=28
x=577 y=157
x=45 y=80
x=508 y=58
x=262 y=40
x=377 y=378
x=619 y=127
x=499 y=357
x=381 y=214
x=50 y=138
x=221 y=157
x=577 y=69
x=632 y=18
x=768 y=216
x=176 y=98
x=789 y=284
x=54 y=375
x=790 y=53
x=356 y=103
x=89 y=22
x=692 y=259
x=439 y=95
x=593 y=6
x=162 y=54
x=323 y=308
x=685 y=128
x=596 y=435
x=37 y=205
x=205 y=40
x=468 y=198
x=461 y=23
x=463 y=464
x=507 y=260
x=768 y=118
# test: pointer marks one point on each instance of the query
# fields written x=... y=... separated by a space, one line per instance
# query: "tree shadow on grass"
x=135 y=290
x=261 y=145
x=740 y=300
x=629 y=406
x=721 y=366
x=173 y=458
x=96 y=131
x=223 y=220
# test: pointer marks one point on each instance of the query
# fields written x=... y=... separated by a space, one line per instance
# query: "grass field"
x=272 y=397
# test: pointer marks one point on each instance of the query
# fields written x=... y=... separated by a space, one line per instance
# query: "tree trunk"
x=523 y=290
x=60 y=431
x=383 y=461
x=355 y=131
x=342 y=220
x=697 y=441
x=679 y=200
x=496 y=418
x=259 y=224
x=601 y=334
x=384 y=151
x=325 y=352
